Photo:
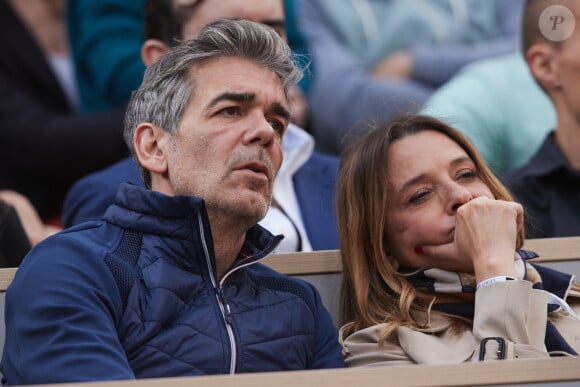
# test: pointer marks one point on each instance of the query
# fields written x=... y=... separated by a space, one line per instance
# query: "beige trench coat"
x=510 y=314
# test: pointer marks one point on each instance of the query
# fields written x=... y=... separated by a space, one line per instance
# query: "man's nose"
x=259 y=131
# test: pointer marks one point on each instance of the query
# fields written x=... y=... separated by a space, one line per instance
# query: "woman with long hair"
x=433 y=269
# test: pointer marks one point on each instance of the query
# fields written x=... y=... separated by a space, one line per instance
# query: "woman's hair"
x=373 y=291
x=169 y=83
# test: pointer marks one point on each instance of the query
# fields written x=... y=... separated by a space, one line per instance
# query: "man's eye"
x=230 y=111
x=278 y=126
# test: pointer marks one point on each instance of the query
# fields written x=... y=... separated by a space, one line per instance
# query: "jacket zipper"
x=220 y=297
x=221 y=300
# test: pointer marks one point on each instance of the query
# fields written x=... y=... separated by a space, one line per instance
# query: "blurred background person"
x=20 y=228
x=45 y=143
x=376 y=59
x=106 y=38
x=549 y=184
x=498 y=105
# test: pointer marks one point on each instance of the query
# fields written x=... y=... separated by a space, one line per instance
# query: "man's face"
x=227 y=149
x=269 y=12
x=568 y=71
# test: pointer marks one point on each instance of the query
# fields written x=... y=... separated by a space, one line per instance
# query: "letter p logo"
x=557 y=23
x=556 y=20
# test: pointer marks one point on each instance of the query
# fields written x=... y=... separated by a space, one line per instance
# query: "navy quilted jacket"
x=136 y=296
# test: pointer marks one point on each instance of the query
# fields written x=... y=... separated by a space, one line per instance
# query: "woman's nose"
x=459 y=195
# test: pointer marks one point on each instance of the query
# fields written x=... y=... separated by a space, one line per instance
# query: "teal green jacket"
x=106 y=38
x=500 y=107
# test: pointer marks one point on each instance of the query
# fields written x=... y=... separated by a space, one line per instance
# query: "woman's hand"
x=485 y=234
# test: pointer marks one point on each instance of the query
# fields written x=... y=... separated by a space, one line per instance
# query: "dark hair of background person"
x=164 y=20
x=14 y=243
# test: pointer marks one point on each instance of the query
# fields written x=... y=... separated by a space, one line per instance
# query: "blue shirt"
x=549 y=189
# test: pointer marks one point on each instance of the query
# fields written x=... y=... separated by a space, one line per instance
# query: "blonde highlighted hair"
x=373 y=292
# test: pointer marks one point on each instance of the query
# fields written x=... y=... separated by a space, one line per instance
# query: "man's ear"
x=542 y=61
x=150 y=143
x=152 y=50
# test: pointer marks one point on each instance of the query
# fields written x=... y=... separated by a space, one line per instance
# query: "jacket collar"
x=146 y=211
x=548 y=159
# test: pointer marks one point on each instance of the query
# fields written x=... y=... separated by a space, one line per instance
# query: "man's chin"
x=242 y=203
x=253 y=207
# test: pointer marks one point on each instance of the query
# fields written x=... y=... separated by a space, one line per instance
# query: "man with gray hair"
x=303 y=198
x=169 y=282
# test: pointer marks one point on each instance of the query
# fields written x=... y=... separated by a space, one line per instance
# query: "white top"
x=63 y=69
x=297 y=146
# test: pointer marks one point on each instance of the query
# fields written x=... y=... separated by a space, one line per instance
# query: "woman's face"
x=429 y=177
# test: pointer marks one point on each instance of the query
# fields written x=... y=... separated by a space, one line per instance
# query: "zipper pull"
x=227 y=311
x=228 y=314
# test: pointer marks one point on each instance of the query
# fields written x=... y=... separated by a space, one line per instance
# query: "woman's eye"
x=418 y=197
x=467 y=174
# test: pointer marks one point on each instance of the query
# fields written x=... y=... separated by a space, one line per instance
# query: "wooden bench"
x=551 y=251
x=323 y=269
x=557 y=372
